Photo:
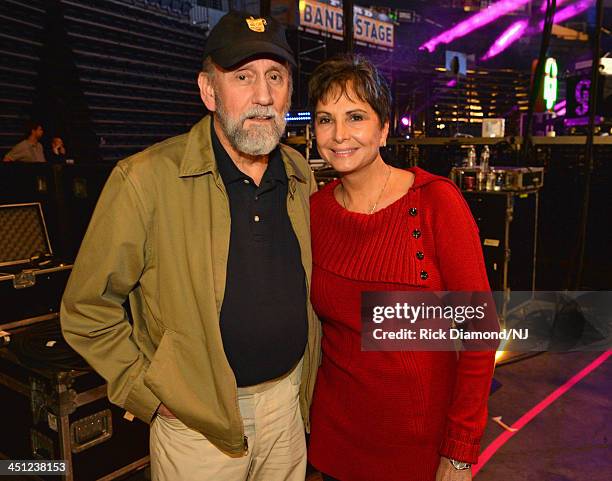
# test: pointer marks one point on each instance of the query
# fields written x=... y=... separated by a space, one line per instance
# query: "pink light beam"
x=570 y=11
x=545 y=4
x=476 y=21
x=510 y=35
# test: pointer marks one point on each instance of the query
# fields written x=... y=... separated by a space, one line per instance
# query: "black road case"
x=32 y=280
x=507 y=222
x=54 y=406
x=65 y=415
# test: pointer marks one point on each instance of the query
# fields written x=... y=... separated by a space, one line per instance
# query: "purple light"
x=451 y=82
x=581 y=121
x=545 y=3
x=510 y=35
x=476 y=21
x=405 y=120
x=560 y=105
x=581 y=94
x=561 y=113
x=570 y=11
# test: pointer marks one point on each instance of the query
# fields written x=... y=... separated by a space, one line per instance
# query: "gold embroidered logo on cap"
x=256 y=24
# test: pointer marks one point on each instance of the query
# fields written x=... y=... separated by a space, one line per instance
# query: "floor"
x=567 y=441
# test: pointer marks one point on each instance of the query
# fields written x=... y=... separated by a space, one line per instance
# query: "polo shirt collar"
x=198 y=157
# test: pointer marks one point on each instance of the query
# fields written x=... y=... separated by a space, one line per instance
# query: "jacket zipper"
x=310 y=327
x=309 y=367
x=245 y=439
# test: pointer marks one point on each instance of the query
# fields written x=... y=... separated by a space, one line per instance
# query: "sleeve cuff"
x=460 y=447
x=141 y=402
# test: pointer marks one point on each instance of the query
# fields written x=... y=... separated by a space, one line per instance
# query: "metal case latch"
x=91 y=430
x=26 y=278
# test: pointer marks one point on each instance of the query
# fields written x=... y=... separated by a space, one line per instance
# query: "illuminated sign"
x=326 y=18
x=301 y=117
x=550 y=82
x=581 y=94
x=579 y=90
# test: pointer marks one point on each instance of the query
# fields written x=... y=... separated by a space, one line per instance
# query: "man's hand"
x=165 y=412
x=446 y=472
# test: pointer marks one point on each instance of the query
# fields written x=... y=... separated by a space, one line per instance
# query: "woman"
x=386 y=416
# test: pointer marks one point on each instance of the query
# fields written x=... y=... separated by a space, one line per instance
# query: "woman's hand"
x=446 y=472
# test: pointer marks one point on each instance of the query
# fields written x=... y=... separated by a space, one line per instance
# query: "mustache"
x=259 y=111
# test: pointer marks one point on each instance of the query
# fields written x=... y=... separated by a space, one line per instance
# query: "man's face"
x=250 y=103
x=38 y=132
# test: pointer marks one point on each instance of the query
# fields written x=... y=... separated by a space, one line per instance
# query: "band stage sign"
x=327 y=18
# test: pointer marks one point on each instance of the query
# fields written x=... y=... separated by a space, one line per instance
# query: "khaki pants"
x=275 y=431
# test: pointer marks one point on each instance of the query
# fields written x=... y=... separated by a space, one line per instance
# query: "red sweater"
x=385 y=416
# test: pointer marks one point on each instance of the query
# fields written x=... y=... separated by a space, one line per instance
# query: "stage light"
x=510 y=35
x=520 y=28
x=405 y=120
x=499 y=355
x=513 y=33
x=476 y=21
x=570 y=11
x=544 y=5
x=501 y=351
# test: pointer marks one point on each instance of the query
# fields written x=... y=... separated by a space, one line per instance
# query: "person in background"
x=57 y=151
x=387 y=416
x=30 y=149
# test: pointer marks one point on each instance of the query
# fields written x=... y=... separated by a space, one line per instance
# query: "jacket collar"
x=199 y=157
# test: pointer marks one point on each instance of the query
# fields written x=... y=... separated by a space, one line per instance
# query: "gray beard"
x=257 y=139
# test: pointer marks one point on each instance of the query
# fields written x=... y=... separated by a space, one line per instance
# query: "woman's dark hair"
x=336 y=75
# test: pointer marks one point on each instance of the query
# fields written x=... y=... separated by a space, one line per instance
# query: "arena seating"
x=138 y=67
x=20 y=44
x=137 y=63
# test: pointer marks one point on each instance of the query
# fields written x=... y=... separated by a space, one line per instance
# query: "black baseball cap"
x=239 y=36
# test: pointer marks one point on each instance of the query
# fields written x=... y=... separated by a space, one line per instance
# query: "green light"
x=550 y=82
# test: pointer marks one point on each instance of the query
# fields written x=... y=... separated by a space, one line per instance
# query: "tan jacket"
x=160 y=236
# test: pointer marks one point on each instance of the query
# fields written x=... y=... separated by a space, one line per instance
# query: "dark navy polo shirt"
x=263 y=317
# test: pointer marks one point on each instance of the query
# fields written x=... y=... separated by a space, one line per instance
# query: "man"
x=29 y=149
x=208 y=235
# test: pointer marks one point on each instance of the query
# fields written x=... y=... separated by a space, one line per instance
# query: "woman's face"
x=348 y=131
